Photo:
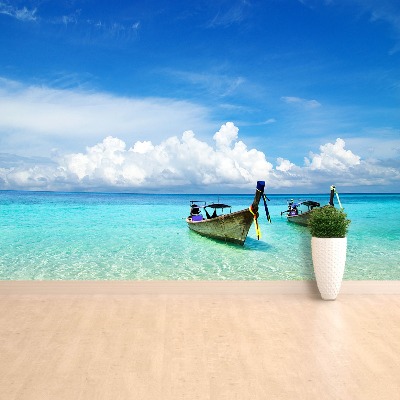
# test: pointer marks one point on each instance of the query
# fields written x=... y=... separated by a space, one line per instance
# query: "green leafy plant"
x=328 y=222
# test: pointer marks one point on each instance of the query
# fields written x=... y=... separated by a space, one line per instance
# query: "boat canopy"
x=217 y=206
x=310 y=203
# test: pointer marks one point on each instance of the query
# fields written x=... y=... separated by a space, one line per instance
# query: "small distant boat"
x=296 y=215
x=230 y=227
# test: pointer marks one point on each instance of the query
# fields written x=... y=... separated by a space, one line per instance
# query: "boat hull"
x=232 y=227
x=300 y=219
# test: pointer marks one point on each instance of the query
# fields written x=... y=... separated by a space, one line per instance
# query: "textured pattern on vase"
x=329 y=259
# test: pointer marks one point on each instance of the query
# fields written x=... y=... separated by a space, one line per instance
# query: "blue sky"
x=186 y=96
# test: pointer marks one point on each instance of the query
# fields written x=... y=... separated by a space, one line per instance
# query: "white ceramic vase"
x=329 y=259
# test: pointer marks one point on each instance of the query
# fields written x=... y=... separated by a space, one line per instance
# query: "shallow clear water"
x=130 y=236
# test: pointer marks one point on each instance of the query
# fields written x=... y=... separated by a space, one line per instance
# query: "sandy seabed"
x=198 y=340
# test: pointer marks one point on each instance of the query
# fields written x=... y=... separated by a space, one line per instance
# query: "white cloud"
x=22 y=14
x=333 y=157
x=108 y=29
x=187 y=164
x=334 y=164
x=377 y=144
x=172 y=163
x=143 y=147
x=386 y=11
x=234 y=14
x=218 y=84
x=301 y=102
x=224 y=137
x=53 y=118
x=284 y=165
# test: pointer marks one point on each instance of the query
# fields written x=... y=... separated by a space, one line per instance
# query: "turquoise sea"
x=101 y=236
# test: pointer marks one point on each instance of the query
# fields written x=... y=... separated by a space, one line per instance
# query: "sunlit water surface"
x=51 y=236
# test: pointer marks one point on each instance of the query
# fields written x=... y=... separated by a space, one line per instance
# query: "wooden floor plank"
x=170 y=346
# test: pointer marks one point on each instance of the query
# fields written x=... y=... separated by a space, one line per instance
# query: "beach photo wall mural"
x=191 y=140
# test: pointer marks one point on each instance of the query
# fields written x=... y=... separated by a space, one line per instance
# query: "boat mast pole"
x=332 y=194
x=257 y=196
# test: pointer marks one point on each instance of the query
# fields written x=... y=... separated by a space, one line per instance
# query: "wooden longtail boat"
x=300 y=217
x=231 y=227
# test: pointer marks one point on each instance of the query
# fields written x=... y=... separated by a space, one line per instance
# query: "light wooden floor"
x=291 y=346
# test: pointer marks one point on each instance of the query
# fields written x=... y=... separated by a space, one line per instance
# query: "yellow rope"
x=258 y=232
